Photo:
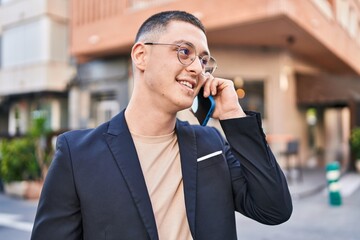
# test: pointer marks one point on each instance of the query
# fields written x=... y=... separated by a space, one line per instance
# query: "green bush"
x=355 y=142
x=18 y=160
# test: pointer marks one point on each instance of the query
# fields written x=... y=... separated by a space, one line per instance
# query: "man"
x=145 y=174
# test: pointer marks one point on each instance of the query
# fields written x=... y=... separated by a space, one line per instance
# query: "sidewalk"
x=314 y=181
x=313 y=217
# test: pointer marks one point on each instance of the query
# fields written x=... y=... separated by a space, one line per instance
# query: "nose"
x=196 y=66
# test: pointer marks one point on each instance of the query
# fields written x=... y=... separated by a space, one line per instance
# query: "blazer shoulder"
x=75 y=137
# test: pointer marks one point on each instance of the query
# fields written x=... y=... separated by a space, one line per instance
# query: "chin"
x=182 y=106
x=183 y=102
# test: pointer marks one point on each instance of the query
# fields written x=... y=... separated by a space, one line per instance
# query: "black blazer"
x=95 y=188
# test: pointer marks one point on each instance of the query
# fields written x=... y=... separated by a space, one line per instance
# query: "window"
x=35 y=41
x=103 y=107
x=325 y=7
x=251 y=95
x=24 y=44
x=106 y=110
x=353 y=22
x=342 y=12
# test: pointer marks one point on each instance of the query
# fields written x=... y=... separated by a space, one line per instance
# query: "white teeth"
x=187 y=84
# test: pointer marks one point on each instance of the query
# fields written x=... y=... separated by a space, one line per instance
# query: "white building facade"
x=35 y=65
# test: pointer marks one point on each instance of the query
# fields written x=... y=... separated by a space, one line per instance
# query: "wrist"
x=237 y=113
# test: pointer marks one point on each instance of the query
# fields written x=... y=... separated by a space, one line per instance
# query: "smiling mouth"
x=186 y=84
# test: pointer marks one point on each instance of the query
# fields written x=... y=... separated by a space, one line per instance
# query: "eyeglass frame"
x=192 y=60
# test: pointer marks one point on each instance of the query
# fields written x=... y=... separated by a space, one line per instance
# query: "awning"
x=326 y=90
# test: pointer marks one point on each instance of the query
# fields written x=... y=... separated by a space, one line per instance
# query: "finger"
x=207 y=85
x=203 y=78
x=216 y=86
x=213 y=87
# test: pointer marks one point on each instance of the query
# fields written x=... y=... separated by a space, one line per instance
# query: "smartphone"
x=203 y=107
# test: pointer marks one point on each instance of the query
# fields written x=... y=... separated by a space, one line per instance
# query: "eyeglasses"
x=186 y=54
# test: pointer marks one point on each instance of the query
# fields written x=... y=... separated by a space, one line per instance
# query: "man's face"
x=173 y=84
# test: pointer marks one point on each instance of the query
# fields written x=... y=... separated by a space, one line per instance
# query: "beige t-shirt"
x=160 y=162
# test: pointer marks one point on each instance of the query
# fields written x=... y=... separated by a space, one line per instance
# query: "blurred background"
x=65 y=65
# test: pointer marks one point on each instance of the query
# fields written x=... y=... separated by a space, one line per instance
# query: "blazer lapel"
x=188 y=155
x=123 y=149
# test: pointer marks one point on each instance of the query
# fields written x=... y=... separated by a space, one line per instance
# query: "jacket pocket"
x=217 y=159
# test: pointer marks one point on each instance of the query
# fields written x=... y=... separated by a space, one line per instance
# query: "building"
x=296 y=62
x=35 y=66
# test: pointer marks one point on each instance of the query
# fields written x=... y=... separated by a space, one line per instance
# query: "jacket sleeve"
x=58 y=214
x=259 y=186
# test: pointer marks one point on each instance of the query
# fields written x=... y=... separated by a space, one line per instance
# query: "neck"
x=149 y=120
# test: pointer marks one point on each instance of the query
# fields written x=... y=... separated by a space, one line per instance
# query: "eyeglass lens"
x=187 y=55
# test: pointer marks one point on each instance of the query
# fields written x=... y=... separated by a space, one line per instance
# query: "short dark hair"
x=159 y=21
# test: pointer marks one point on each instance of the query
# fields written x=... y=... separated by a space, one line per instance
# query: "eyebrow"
x=187 y=42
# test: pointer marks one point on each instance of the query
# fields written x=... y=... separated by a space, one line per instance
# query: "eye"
x=209 y=70
x=184 y=52
x=205 y=60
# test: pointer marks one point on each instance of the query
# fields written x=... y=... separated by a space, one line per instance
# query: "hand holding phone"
x=203 y=107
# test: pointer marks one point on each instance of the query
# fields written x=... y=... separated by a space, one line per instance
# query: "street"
x=313 y=218
x=16 y=218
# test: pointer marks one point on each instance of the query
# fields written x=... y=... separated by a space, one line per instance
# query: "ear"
x=138 y=56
